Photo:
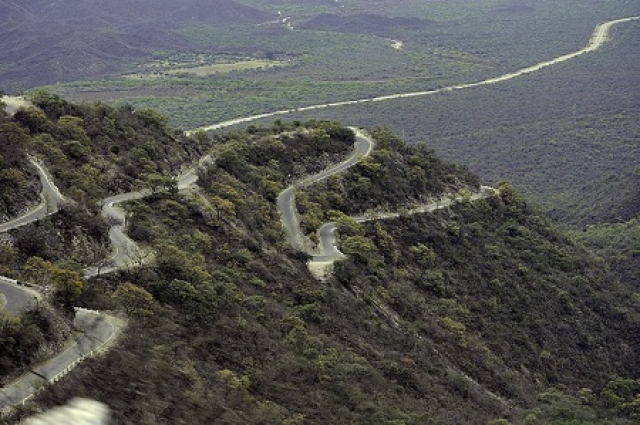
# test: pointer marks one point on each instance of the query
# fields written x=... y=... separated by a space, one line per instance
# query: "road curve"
x=17 y=297
x=97 y=330
x=124 y=249
x=50 y=197
x=328 y=250
x=125 y=252
x=50 y=201
x=286 y=199
x=598 y=38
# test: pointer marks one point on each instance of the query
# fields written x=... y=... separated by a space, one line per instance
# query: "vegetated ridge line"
x=122 y=244
x=596 y=41
x=328 y=251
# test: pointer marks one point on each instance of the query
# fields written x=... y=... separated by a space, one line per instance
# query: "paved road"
x=50 y=201
x=17 y=297
x=96 y=329
x=286 y=199
x=125 y=252
x=326 y=233
x=328 y=250
x=50 y=197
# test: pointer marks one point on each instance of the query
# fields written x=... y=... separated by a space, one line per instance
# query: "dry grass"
x=204 y=70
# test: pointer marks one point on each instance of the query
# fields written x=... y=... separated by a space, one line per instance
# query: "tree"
x=359 y=247
x=151 y=118
x=160 y=183
x=33 y=119
x=13 y=140
x=68 y=284
x=134 y=300
x=37 y=270
x=223 y=207
x=52 y=105
x=72 y=128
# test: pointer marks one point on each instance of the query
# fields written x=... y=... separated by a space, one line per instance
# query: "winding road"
x=125 y=252
x=50 y=201
x=16 y=297
x=328 y=249
x=98 y=329
x=363 y=146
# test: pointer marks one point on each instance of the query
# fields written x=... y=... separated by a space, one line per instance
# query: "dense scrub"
x=461 y=316
x=19 y=187
x=561 y=135
x=393 y=177
x=618 y=244
x=472 y=41
x=521 y=292
x=94 y=150
x=37 y=334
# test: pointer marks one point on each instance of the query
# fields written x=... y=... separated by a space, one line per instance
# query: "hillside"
x=48 y=42
x=459 y=316
x=566 y=136
x=94 y=150
x=614 y=199
x=19 y=186
x=363 y=23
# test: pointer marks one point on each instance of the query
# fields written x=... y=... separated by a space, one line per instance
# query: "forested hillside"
x=467 y=315
x=19 y=186
x=94 y=150
x=561 y=135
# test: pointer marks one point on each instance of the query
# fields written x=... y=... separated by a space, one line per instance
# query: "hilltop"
x=474 y=312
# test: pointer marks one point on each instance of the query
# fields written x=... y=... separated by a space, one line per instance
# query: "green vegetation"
x=94 y=150
x=433 y=318
x=17 y=188
x=394 y=177
x=327 y=66
x=29 y=339
x=616 y=403
x=618 y=244
x=565 y=135
x=206 y=69
x=481 y=313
